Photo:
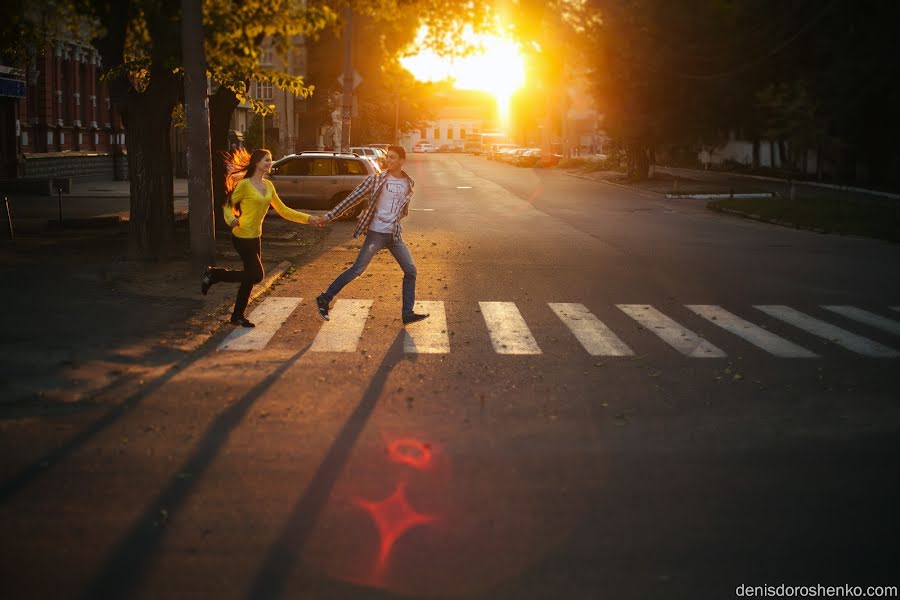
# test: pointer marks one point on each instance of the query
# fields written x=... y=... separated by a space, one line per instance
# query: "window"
x=437 y=133
x=423 y=134
x=449 y=133
x=265 y=55
x=348 y=166
x=322 y=167
x=462 y=133
x=295 y=168
x=264 y=90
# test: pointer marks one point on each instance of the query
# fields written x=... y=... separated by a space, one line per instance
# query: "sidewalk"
x=663 y=183
x=81 y=318
x=103 y=201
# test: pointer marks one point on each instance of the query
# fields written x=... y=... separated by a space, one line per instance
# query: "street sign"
x=357 y=79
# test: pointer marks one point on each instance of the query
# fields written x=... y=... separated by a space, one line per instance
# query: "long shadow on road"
x=273 y=574
x=130 y=560
x=43 y=464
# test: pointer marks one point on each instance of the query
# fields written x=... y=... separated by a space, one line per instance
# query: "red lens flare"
x=411 y=452
x=393 y=517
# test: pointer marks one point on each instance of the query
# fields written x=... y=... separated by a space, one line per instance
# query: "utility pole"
x=347 y=99
x=397 y=120
x=199 y=163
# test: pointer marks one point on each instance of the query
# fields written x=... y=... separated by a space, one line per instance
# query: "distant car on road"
x=320 y=180
x=368 y=152
x=495 y=149
x=528 y=158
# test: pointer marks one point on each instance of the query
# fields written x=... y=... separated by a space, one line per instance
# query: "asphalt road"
x=645 y=451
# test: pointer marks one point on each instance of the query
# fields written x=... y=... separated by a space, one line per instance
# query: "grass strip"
x=879 y=220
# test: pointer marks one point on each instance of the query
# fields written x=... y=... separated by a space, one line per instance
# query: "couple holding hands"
x=250 y=194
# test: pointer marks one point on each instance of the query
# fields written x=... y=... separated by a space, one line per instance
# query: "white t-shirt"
x=390 y=201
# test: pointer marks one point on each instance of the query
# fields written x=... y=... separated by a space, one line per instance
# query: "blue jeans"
x=373 y=243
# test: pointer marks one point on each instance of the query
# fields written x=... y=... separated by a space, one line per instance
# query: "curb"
x=717 y=196
x=761 y=219
x=639 y=192
x=200 y=339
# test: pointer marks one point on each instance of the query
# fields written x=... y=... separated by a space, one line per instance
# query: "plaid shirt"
x=371 y=187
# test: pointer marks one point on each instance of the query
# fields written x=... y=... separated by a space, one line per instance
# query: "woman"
x=248 y=200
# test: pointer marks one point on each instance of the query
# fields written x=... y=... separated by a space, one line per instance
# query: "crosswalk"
x=510 y=334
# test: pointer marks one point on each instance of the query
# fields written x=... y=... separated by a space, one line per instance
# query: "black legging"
x=250 y=252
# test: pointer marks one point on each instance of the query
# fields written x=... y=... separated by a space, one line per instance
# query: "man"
x=389 y=193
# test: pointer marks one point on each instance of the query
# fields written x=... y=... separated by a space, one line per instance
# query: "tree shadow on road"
x=282 y=557
x=130 y=560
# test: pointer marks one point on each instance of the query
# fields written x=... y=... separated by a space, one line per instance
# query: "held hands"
x=319 y=221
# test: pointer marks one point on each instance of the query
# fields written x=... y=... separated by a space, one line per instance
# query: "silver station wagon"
x=319 y=180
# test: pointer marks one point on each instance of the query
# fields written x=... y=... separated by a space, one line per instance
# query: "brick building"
x=65 y=124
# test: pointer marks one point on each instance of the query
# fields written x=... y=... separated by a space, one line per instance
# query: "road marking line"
x=269 y=317
x=841 y=337
x=864 y=316
x=342 y=332
x=594 y=335
x=684 y=340
x=754 y=334
x=509 y=333
x=429 y=336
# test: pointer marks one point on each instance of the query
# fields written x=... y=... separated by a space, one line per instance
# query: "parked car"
x=320 y=180
x=494 y=149
x=505 y=154
x=528 y=158
x=424 y=148
x=368 y=152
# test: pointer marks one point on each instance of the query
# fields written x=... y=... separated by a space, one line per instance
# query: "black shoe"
x=242 y=321
x=322 y=305
x=414 y=317
x=207 y=281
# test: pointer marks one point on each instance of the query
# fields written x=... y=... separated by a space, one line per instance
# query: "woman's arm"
x=286 y=213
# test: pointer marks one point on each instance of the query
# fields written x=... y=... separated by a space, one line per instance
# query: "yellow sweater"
x=254 y=207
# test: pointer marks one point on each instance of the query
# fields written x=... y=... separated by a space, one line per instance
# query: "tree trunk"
x=221 y=107
x=148 y=121
x=638 y=162
x=782 y=154
x=819 y=168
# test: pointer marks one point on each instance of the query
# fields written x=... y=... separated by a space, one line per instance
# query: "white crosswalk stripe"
x=510 y=334
x=590 y=331
x=754 y=334
x=869 y=318
x=841 y=337
x=684 y=340
x=508 y=331
x=429 y=336
x=269 y=316
x=342 y=332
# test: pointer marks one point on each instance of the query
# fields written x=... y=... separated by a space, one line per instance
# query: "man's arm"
x=354 y=198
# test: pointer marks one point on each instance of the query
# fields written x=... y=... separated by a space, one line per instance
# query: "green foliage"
x=810 y=75
x=29 y=27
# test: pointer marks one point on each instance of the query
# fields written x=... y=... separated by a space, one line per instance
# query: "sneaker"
x=322 y=305
x=242 y=321
x=207 y=281
x=414 y=317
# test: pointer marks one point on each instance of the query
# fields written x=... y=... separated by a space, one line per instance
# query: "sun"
x=497 y=67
